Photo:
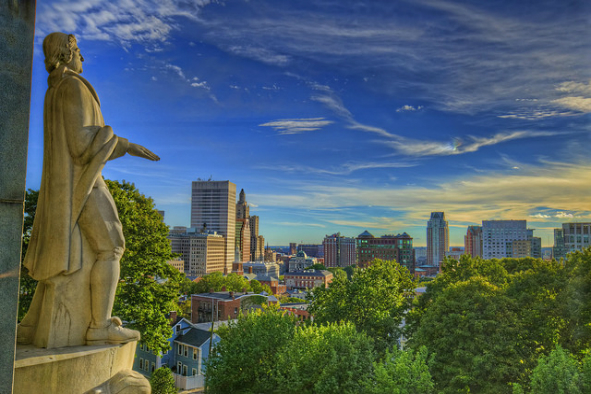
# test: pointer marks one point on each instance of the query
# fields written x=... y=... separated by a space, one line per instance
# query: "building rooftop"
x=309 y=273
x=194 y=337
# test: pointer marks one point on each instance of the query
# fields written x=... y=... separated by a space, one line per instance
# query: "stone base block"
x=69 y=370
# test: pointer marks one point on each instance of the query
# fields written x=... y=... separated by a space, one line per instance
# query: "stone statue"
x=77 y=240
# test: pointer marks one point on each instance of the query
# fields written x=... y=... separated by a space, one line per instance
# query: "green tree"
x=162 y=381
x=557 y=373
x=210 y=282
x=473 y=331
x=236 y=283
x=575 y=302
x=247 y=354
x=402 y=372
x=148 y=285
x=374 y=300
x=333 y=358
x=256 y=286
x=27 y=284
x=318 y=267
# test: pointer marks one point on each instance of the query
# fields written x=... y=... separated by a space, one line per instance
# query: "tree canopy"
x=162 y=381
x=374 y=300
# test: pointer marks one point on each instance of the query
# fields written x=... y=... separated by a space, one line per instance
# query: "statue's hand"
x=140 y=151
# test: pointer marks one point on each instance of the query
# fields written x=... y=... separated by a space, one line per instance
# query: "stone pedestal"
x=71 y=370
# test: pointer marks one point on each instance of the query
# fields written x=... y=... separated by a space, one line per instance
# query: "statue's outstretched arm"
x=140 y=151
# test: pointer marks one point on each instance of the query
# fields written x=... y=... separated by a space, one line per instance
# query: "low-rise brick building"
x=307 y=279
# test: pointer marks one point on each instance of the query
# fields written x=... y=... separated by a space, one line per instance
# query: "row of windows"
x=145 y=365
x=183 y=350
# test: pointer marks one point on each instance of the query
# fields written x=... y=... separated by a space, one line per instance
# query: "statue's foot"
x=113 y=334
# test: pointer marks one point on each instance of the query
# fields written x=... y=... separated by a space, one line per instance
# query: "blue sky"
x=343 y=115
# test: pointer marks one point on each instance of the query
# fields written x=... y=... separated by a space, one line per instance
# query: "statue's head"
x=62 y=49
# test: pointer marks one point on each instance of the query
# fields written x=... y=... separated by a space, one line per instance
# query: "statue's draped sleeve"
x=77 y=144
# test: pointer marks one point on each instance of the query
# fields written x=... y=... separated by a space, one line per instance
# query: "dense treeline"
x=482 y=326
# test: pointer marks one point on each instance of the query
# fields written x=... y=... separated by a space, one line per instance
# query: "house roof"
x=194 y=337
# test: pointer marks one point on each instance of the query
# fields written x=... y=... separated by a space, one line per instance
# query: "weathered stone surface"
x=76 y=370
x=76 y=240
x=17 y=20
x=125 y=382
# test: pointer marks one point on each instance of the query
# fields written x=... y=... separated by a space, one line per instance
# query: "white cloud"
x=297 y=126
x=409 y=108
x=575 y=87
x=580 y=104
x=126 y=22
x=177 y=70
x=563 y=215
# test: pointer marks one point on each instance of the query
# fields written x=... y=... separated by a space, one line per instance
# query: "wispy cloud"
x=300 y=224
x=345 y=169
x=495 y=195
x=131 y=21
x=412 y=147
x=297 y=126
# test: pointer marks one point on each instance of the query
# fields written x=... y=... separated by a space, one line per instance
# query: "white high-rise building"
x=437 y=238
x=498 y=237
x=576 y=236
x=213 y=205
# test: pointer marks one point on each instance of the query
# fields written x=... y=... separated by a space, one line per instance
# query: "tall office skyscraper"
x=213 y=204
x=437 y=238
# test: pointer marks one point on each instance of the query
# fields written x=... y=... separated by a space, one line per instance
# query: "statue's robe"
x=77 y=144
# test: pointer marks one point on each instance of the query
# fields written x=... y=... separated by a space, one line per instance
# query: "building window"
x=146 y=365
x=141 y=363
x=179 y=367
x=195 y=353
x=141 y=346
x=185 y=370
x=180 y=349
x=178 y=328
x=194 y=372
x=186 y=348
x=153 y=367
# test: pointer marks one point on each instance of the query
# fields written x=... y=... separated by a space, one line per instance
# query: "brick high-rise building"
x=473 y=241
x=339 y=251
x=437 y=238
x=213 y=204
x=388 y=247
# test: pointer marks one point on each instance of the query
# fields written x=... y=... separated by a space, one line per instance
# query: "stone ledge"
x=69 y=370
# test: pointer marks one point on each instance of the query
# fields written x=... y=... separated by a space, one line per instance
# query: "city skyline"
x=361 y=116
